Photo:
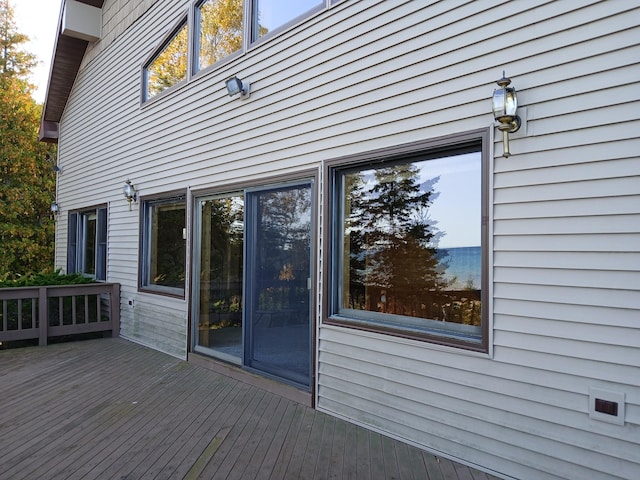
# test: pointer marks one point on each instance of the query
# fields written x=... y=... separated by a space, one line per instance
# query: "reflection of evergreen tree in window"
x=220 y=30
x=224 y=262
x=395 y=265
x=225 y=237
x=171 y=247
x=283 y=247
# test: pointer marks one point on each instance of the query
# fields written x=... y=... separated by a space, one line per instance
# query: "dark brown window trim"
x=80 y=211
x=311 y=174
x=165 y=196
x=375 y=157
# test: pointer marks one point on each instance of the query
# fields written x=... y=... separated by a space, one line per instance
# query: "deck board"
x=377 y=459
x=338 y=442
x=109 y=408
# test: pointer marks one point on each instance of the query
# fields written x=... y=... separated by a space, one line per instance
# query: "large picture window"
x=219 y=24
x=408 y=245
x=87 y=242
x=164 y=245
x=168 y=66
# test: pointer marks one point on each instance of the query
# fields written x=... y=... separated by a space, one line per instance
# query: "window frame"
x=195 y=67
x=190 y=19
x=167 y=39
x=252 y=27
x=76 y=242
x=332 y=276
x=144 y=285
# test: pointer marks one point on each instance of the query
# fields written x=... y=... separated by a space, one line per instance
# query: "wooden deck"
x=111 y=409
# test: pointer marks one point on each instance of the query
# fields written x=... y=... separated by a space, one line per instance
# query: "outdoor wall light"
x=55 y=208
x=235 y=86
x=129 y=192
x=505 y=104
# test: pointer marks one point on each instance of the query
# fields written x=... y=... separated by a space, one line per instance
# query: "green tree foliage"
x=14 y=62
x=27 y=181
x=47 y=278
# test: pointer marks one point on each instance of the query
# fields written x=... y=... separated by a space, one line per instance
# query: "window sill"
x=166 y=292
x=427 y=337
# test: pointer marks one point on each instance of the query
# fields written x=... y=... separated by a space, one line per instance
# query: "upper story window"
x=269 y=15
x=219 y=31
x=409 y=244
x=168 y=66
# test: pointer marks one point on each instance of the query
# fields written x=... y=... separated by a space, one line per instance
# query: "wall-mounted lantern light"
x=235 y=86
x=505 y=104
x=55 y=209
x=129 y=192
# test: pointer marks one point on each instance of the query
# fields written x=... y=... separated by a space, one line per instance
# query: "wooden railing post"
x=43 y=315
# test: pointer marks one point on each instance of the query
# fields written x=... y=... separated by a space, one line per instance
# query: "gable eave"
x=65 y=64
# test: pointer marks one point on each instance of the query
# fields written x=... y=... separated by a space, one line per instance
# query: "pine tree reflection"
x=392 y=263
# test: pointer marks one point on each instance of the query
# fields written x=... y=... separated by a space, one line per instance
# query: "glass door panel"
x=219 y=327
x=278 y=330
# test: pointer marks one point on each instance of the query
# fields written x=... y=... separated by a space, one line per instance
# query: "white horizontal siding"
x=420 y=395
x=592 y=245
x=366 y=75
x=155 y=321
x=562 y=277
x=581 y=314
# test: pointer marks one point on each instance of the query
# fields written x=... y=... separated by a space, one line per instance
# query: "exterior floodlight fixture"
x=55 y=208
x=505 y=104
x=129 y=192
x=235 y=86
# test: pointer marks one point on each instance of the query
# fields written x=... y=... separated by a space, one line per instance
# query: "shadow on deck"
x=109 y=408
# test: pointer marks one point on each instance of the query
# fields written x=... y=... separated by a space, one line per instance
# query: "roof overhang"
x=78 y=24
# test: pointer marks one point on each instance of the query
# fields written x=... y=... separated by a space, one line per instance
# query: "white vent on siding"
x=606 y=406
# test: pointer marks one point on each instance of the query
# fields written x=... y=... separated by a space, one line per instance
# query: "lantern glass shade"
x=505 y=104
x=129 y=191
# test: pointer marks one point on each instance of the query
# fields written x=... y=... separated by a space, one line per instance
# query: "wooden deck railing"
x=52 y=311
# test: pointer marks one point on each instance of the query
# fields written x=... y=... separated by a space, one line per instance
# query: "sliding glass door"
x=278 y=330
x=254 y=274
x=220 y=275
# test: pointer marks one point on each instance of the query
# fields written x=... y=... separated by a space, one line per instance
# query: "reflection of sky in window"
x=458 y=206
x=275 y=13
